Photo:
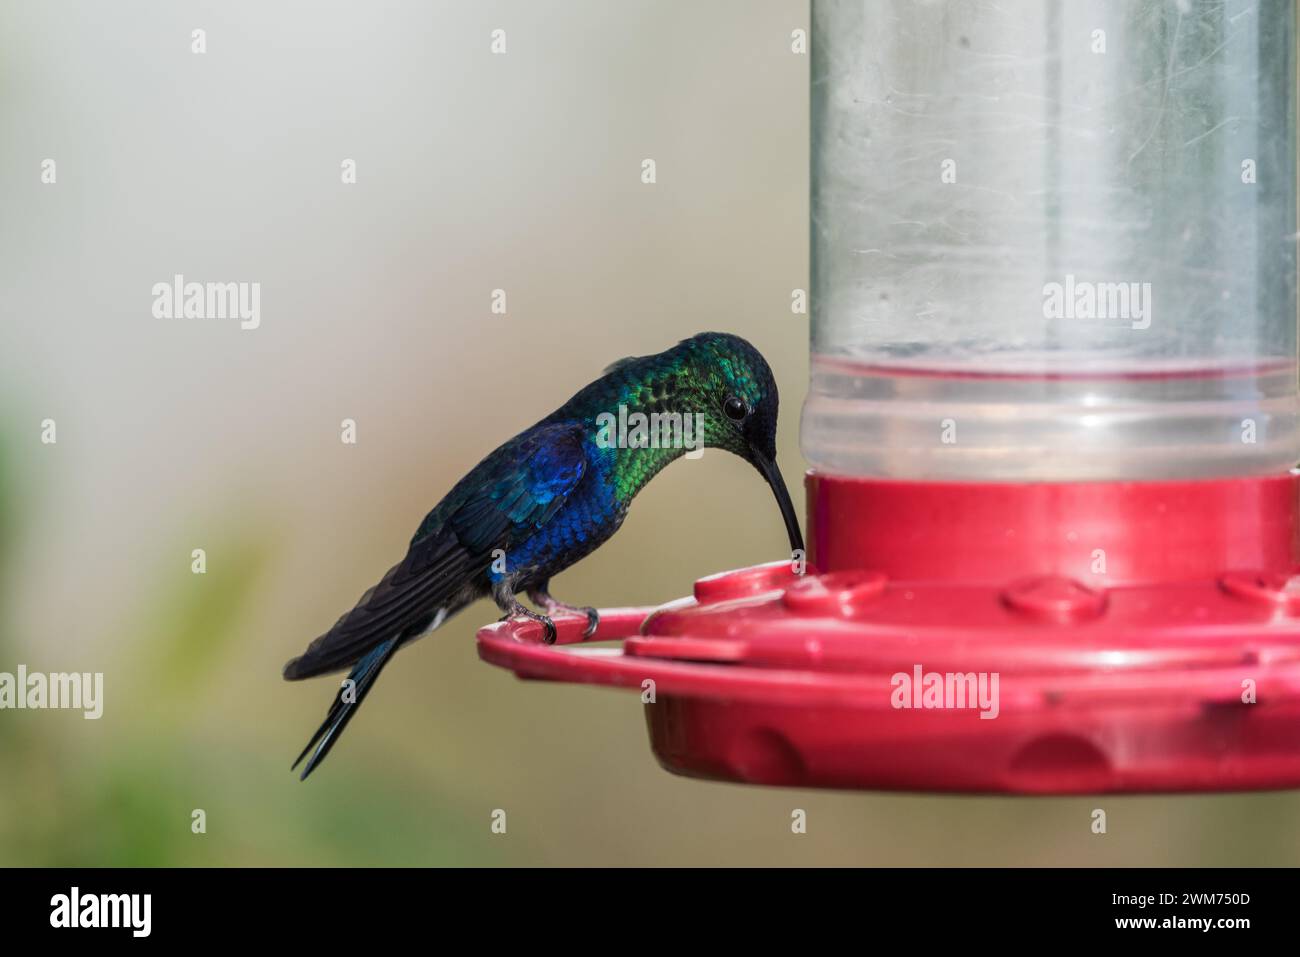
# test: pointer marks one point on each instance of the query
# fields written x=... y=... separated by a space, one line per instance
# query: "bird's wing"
x=512 y=492
x=523 y=493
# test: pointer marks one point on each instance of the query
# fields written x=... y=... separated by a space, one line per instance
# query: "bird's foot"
x=548 y=627
x=552 y=605
x=593 y=618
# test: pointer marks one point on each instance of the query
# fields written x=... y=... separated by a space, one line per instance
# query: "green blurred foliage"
x=131 y=802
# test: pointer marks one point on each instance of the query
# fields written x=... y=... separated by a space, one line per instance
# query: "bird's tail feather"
x=346 y=703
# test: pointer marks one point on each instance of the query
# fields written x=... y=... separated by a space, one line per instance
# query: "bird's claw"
x=593 y=616
x=543 y=599
x=549 y=633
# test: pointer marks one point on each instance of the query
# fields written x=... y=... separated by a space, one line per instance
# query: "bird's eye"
x=735 y=408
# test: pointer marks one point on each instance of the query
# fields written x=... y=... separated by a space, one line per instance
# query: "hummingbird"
x=545 y=499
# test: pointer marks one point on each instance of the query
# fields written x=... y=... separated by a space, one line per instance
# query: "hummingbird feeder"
x=1053 y=523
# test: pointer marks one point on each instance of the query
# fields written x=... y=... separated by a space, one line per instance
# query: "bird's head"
x=732 y=384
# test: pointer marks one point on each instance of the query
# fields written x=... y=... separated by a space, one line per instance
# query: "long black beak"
x=773 y=475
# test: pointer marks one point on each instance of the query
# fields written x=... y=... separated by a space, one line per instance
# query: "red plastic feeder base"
x=1034 y=639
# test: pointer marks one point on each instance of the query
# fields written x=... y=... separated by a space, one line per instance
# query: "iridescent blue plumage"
x=545 y=499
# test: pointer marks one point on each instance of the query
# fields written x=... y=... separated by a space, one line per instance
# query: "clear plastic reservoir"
x=1053 y=240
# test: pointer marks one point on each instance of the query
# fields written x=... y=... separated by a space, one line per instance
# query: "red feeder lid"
x=1044 y=684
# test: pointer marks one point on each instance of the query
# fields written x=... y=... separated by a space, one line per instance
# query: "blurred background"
x=474 y=172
